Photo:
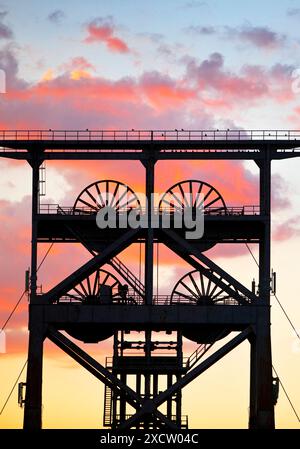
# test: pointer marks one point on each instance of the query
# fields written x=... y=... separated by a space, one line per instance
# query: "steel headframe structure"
x=88 y=316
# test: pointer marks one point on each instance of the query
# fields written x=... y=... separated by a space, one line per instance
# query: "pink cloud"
x=220 y=87
x=258 y=36
x=288 y=229
x=5 y=30
x=103 y=30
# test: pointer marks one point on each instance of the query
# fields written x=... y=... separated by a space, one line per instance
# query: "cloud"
x=293 y=12
x=222 y=88
x=152 y=99
x=103 y=30
x=204 y=30
x=5 y=31
x=288 y=229
x=260 y=37
x=161 y=92
x=78 y=67
x=56 y=16
x=9 y=63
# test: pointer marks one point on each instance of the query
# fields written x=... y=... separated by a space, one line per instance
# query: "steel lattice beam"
x=152 y=404
x=90 y=266
x=186 y=250
x=101 y=373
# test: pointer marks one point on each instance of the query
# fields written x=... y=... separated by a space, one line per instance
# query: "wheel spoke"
x=89 y=285
x=190 y=298
x=194 y=284
x=202 y=283
x=177 y=199
x=195 y=189
x=80 y=293
x=99 y=194
x=114 y=195
x=96 y=283
x=88 y=204
x=93 y=199
x=198 y=194
x=183 y=195
x=169 y=204
x=212 y=202
x=126 y=203
x=83 y=288
x=189 y=289
x=105 y=279
x=120 y=198
x=208 y=287
x=215 y=287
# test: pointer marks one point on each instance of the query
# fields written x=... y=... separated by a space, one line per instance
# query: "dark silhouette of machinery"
x=145 y=376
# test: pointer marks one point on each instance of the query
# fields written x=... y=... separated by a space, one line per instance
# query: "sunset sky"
x=164 y=64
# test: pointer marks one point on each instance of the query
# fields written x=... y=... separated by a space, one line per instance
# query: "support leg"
x=33 y=399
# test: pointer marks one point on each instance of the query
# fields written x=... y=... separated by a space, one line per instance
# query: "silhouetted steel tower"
x=145 y=377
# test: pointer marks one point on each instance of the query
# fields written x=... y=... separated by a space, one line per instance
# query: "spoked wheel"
x=195 y=287
x=110 y=193
x=95 y=288
x=193 y=194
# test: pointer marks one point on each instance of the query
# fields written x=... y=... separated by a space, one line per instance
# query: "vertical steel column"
x=34 y=211
x=149 y=165
x=123 y=402
x=261 y=397
x=147 y=375
x=114 y=395
x=155 y=393
x=178 y=376
x=33 y=399
x=138 y=390
x=170 y=399
x=178 y=404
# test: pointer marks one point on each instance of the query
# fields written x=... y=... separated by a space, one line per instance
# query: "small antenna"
x=21 y=400
x=27 y=280
x=273 y=282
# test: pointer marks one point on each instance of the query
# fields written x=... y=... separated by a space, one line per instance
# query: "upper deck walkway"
x=137 y=144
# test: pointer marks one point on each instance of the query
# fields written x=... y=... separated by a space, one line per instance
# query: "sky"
x=149 y=65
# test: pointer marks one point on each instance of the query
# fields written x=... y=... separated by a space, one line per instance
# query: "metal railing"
x=184 y=420
x=109 y=361
x=158 y=300
x=122 y=269
x=146 y=135
x=230 y=210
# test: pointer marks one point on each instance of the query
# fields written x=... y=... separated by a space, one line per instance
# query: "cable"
x=293 y=327
x=254 y=258
x=25 y=291
x=286 y=394
x=8 y=319
x=287 y=317
x=13 y=311
x=281 y=306
x=14 y=386
x=43 y=259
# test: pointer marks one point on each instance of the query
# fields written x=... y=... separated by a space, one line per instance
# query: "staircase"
x=197 y=355
x=107 y=413
x=131 y=279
